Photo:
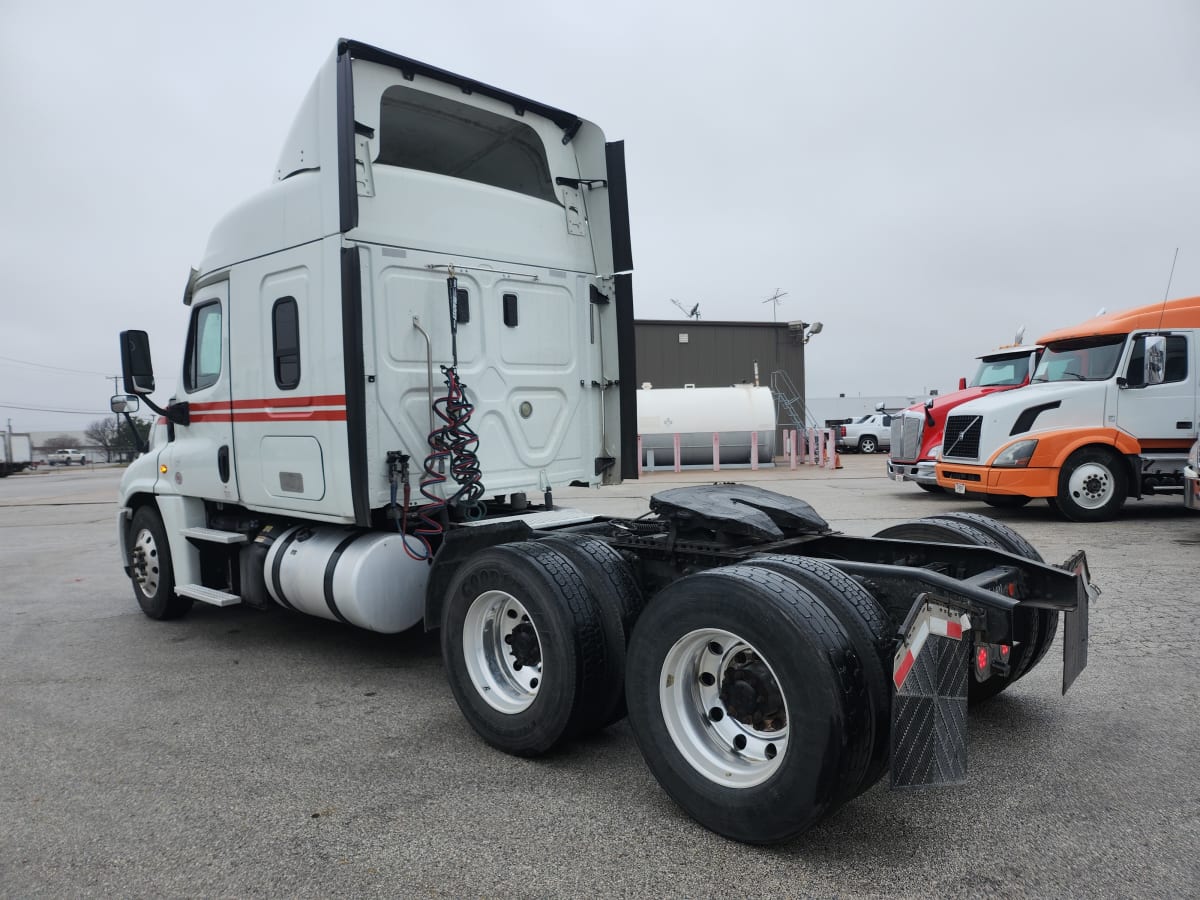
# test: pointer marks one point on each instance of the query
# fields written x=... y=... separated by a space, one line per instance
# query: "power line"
x=70 y=412
x=25 y=362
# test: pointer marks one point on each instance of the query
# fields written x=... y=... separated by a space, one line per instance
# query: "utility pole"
x=117 y=416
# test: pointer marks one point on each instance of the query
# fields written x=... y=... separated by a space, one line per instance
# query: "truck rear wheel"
x=618 y=598
x=525 y=649
x=1092 y=486
x=150 y=565
x=868 y=444
x=966 y=528
x=869 y=630
x=1046 y=621
x=745 y=702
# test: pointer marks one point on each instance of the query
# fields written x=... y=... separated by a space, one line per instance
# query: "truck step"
x=207 y=595
x=214 y=536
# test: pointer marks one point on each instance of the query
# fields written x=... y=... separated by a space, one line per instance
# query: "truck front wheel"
x=1092 y=486
x=151 y=569
x=747 y=703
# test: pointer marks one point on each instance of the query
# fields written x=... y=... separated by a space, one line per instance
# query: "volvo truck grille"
x=962 y=437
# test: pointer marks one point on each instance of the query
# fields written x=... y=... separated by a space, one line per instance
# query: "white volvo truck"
x=397 y=352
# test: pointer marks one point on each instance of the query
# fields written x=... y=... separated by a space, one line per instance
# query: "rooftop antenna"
x=1167 y=292
x=693 y=313
x=775 y=299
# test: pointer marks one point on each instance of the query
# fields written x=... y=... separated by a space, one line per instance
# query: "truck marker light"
x=162 y=469
x=981 y=658
x=1004 y=651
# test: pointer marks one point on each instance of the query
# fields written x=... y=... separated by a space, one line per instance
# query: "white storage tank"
x=695 y=413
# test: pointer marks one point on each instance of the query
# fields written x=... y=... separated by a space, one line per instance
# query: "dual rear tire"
x=757 y=693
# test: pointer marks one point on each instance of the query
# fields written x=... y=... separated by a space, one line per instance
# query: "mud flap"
x=1075 y=622
x=929 y=708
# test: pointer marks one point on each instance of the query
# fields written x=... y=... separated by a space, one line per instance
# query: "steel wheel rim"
x=145 y=562
x=499 y=641
x=695 y=675
x=1091 y=485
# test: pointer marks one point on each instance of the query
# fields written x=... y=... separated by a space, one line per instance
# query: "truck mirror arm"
x=176 y=413
x=138 y=444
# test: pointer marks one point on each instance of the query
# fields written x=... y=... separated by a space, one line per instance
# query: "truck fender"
x=1054 y=447
x=457 y=546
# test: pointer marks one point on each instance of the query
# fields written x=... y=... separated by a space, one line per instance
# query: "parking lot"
x=242 y=753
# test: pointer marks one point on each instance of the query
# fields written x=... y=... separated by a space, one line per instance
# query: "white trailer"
x=16 y=453
x=420 y=330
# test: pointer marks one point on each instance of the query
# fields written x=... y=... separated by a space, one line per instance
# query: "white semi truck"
x=404 y=345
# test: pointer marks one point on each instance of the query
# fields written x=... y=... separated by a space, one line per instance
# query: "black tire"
x=868 y=443
x=931 y=488
x=1046 y=621
x=967 y=528
x=754 y=794
x=609 y=578
x=1092 y=485
x=150 y=562
x=581 y=673
x=870 y=631
x=1006 y=501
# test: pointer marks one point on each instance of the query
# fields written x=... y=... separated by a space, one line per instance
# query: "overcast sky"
x=922 y=177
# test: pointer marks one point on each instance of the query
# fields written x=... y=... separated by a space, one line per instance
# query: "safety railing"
x=809 y=446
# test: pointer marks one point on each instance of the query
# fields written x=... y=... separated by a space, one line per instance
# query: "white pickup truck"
x=866 y=434
x=66 y=457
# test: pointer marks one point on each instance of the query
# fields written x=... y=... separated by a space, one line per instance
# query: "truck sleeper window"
x=202 y=365
x=433 y=134
x=285 y=342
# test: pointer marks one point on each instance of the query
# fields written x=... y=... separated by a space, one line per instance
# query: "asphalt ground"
x=237 y=753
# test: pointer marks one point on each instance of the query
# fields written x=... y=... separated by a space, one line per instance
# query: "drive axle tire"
x=1092 y=486
x=869 y=630
x=979 y=531
x=525 y=651
x=609 y=578
x=1046 y=620
x=150 y=564
x=747 y=703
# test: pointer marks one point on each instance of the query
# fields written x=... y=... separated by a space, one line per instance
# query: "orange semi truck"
x=1111 y=413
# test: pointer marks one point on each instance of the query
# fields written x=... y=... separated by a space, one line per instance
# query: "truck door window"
x=285 y=342
x=1176 y=366
x=434 y=134
x=202 y=358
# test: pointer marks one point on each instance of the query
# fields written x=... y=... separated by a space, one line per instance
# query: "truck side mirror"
x=1155 y=359
x=124 y=403
x=136 y=366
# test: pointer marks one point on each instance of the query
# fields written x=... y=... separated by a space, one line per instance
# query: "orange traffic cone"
x=837 y=459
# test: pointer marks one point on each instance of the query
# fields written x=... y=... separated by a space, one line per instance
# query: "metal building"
x=674 y=353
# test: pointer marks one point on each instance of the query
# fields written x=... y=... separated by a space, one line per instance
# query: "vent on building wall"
x=683 y=338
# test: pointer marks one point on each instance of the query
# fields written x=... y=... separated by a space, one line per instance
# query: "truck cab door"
x=1160 y=412
x=200 y=460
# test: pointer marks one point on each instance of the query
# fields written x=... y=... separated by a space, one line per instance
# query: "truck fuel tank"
x=362 y=578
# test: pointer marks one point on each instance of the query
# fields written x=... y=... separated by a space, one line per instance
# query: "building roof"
x=1183 y=313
